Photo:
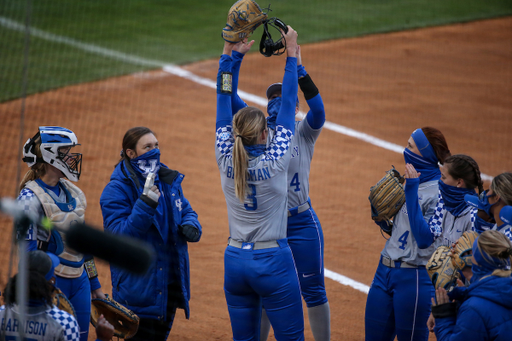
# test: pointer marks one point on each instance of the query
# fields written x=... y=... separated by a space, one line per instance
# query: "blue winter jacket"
x=485 y=313
x=125 y=213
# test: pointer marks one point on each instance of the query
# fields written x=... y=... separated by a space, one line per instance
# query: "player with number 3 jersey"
x=304 y=232
x=258 y=263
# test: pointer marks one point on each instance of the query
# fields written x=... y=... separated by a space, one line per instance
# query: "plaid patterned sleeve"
x=225 y=140
x=30 y=203
x=71 y=329
x=279 y=144
x=473 y=213
x=436 y=220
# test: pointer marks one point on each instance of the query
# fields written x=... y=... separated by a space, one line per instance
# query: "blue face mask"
x=273 y=108
x=453 y=198
x=429 y=170
x=485 y=205
x=482 y=225
x=147 y=163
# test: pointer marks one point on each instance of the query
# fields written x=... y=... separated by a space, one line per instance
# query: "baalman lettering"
x=252 y=174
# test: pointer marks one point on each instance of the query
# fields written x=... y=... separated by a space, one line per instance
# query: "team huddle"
x=445 y=266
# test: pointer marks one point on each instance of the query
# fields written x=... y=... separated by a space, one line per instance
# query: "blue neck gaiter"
x=426 y=163
x=255 y=150
x=481 y=225
x=453 y=198
x=147 y=163
x=486 y=263
x=273 y=108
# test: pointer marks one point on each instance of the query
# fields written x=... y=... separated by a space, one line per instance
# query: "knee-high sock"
x=320 y=322
x=265 y=326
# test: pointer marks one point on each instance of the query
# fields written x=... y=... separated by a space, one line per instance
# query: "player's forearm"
x=224 y=91
x=236 y=102
x=286 y=116
x=316 y=116
x=419 y=226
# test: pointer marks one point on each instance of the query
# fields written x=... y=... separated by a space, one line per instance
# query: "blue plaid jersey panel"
x=280 y=143
x=473 y=213
x=508 y=232
x=71 y=329
x=30 y=204
x=225 y=140
x=436 y=221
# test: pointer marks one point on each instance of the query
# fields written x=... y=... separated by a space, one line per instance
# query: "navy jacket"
x=485 y=313
x=125 y=213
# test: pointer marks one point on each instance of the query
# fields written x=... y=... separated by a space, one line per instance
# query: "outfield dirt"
x=456 y=78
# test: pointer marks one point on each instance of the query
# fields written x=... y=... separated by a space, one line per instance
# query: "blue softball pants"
x=398 y=304
x=78 y=291
x=253 y=278
x=306 y=241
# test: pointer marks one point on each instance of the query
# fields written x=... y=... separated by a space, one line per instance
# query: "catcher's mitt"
x=243 y=18
x=125 y=322
x=387 y=196
x=462 y=251
x=61 y=301
x=441 y=270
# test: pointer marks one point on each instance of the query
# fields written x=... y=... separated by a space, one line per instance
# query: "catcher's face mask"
x=56 y=145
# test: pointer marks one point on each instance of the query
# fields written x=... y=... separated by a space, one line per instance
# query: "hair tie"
x=240 y=136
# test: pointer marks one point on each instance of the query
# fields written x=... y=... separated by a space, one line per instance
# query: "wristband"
x=308 y=87
x=90 y=268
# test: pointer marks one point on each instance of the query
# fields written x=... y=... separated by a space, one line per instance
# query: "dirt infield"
x=456 y=78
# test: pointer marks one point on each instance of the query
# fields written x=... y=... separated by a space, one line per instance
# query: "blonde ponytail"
x=248 y=124
x=497 y=245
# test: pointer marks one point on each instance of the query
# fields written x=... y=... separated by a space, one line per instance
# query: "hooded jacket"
x=485 y=313
x=124 y=212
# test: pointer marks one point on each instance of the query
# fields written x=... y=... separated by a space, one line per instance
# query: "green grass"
x=183 y=31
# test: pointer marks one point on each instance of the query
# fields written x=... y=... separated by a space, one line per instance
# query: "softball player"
x=495 y=206
x=304 y=231
x=44 y=192
x=258 y=262
x=453 y=216
x=485 y=311
x=398 y=303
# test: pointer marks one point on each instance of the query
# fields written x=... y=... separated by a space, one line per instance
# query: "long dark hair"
x=39 y=289
x=438 y=143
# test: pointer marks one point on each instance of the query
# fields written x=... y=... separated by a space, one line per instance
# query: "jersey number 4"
x=403 y=240
x=295 y=182
x=253 y=205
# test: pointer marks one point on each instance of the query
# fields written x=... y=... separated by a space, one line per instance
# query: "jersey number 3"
x=252 y=197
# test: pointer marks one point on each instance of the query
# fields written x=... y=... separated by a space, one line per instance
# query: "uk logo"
x=148 y=166
x=178 y=204
x=224 y=136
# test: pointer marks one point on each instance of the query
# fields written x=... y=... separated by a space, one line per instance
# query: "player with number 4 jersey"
x=398 y=302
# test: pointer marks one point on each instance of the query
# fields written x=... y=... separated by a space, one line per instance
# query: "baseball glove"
x=462 y=252
x=125 y=322
x=61 y=301
x=243 y=18
x=441 y=270
x=387 y=196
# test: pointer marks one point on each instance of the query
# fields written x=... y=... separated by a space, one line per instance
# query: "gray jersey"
x=263 y=215
x=301 y=149
x=446 y=228
x=41 y=324
x=402 y=245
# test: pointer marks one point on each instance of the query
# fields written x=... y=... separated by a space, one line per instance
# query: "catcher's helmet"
x=56 y=144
